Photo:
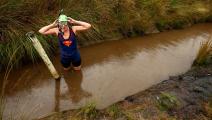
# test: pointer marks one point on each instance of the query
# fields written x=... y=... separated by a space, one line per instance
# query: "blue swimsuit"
x=69 y=52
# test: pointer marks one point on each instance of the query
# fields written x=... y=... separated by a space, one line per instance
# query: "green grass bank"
x=110 y=19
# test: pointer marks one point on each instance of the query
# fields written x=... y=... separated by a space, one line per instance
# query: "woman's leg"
x=76 y=62
x=66 y=63
x=77 y=65
x=66 y=69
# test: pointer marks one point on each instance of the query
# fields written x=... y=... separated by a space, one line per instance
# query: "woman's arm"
x=49 y=29
x=80 y=26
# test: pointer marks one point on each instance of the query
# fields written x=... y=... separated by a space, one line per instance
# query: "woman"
x=67 y=40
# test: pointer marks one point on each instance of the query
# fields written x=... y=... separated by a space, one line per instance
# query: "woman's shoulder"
x=73 y=30
x=56 y=30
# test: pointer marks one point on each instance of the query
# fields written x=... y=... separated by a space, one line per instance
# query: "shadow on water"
x=74 y=92
x=57 y=95
x=111 y=71
x=68 y=89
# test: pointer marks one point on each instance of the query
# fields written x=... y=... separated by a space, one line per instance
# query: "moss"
x=167 y=101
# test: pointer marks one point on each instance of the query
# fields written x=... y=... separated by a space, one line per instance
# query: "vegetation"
x=204 y=56
x=110 y=19
x=167 y=101
x=208 y=108
x=114 y=111
x=88 y=112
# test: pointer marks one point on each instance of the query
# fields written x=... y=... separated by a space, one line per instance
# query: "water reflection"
x=57 y=96
x=72 y=91
x=75 y=91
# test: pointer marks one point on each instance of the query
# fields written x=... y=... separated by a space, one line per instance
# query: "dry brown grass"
x=110 y=19
x=205 y=53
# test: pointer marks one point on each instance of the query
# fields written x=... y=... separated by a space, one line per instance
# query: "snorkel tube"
x=62 y=21
x=60 y=12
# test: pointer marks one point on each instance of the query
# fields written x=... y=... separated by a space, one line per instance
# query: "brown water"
x=111 y=71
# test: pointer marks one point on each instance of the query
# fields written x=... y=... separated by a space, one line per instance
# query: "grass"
x=114 y=111
x=110 y=19
x=147 y=110
x=167 y=101
x=208 y=108
x=204 y=56
x=88 y=112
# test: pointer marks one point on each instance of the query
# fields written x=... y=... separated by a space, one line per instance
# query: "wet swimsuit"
x=69 y=52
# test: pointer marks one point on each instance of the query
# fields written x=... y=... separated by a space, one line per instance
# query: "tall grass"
x=109 y=18
x=204 y=55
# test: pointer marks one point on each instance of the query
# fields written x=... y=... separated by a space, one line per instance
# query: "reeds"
x=109 y=18
x=204 y=55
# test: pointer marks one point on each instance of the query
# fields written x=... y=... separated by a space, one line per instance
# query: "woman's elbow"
x=41 y=31
x=88 y=26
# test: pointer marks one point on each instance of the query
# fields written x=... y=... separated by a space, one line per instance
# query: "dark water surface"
x=111 y=71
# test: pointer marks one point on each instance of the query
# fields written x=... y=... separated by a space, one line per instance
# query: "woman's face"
x=63 y=26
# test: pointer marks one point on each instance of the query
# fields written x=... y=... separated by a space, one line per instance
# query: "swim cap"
x=63 y=18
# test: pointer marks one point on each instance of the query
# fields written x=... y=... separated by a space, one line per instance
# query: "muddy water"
x=111 y=71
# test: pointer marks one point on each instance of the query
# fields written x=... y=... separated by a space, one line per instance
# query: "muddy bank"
x=186 y=97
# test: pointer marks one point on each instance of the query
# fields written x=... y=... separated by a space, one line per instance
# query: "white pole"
x=43 y=54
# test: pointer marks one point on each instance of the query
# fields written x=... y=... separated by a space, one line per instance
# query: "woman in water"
x=67 y=39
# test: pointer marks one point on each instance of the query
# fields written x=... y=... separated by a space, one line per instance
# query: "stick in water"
x=31 y=36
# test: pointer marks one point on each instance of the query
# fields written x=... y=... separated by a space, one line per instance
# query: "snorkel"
x=62 y=22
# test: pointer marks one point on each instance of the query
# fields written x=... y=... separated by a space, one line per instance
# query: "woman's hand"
x=50 y=29
x=79 y=25
x=71 y=20
x=55 y=23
